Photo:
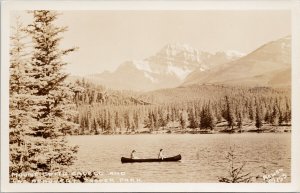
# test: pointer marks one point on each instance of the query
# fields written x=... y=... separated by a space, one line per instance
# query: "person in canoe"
x=133 y=156
x=160 y=154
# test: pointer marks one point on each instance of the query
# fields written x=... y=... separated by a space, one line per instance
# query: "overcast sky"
x=108 y=38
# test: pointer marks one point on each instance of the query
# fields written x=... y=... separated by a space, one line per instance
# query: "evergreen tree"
x=111 y=123
x=240 y=120
x=155 y=119
x=122 y=124
x=150 y=121
x=95 y=127
x=287 y=115
x=280 y=118
x=168 y=116
x=183 y=119
x=251 y=111
x=162 y=118
x=137 y=120
x=117 y=120
x=274 y=116
x=218 y=114
x=228 y=113
x=129 y=122
x=173 y=114
x=258 y=117
x=267 y=116
x=207 y=120
x=197 y=116
x=192 y=118
x=51 y=104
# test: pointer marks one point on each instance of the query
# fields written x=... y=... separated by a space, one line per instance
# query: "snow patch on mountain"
x=142 y=65
x=179 y=72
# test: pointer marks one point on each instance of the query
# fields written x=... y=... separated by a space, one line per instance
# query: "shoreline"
x=273 y=129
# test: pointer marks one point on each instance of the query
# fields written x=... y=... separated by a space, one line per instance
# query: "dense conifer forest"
x=196 y=107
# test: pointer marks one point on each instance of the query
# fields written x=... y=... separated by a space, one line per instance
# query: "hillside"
x=269 y=65
x=205 y=92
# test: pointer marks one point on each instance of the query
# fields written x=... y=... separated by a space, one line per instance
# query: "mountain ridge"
x=261 y=67
x=165 y=69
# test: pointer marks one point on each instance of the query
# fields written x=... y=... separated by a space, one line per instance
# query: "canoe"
x=167 y=159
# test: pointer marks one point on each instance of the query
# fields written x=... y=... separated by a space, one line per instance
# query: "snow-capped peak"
x=169 y=67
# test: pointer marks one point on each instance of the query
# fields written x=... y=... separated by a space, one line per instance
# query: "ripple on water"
x=203 y=156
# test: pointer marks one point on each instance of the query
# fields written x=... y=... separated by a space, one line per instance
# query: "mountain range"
x=167 y=68
x=181 y=65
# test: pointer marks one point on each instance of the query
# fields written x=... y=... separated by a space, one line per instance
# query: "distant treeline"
x=88 y=93
x=201 y=107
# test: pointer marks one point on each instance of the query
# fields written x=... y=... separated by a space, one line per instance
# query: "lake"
x=203 y=156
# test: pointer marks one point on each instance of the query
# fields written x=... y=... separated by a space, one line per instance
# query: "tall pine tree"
x=51 y=107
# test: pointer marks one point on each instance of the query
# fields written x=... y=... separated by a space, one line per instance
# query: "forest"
x=200 y=108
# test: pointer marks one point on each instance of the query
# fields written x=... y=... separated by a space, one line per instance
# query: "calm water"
x=203 y=156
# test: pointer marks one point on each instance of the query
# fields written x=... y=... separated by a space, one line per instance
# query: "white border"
x=293 y=5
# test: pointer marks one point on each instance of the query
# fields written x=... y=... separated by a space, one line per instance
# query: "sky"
x=108 y=38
